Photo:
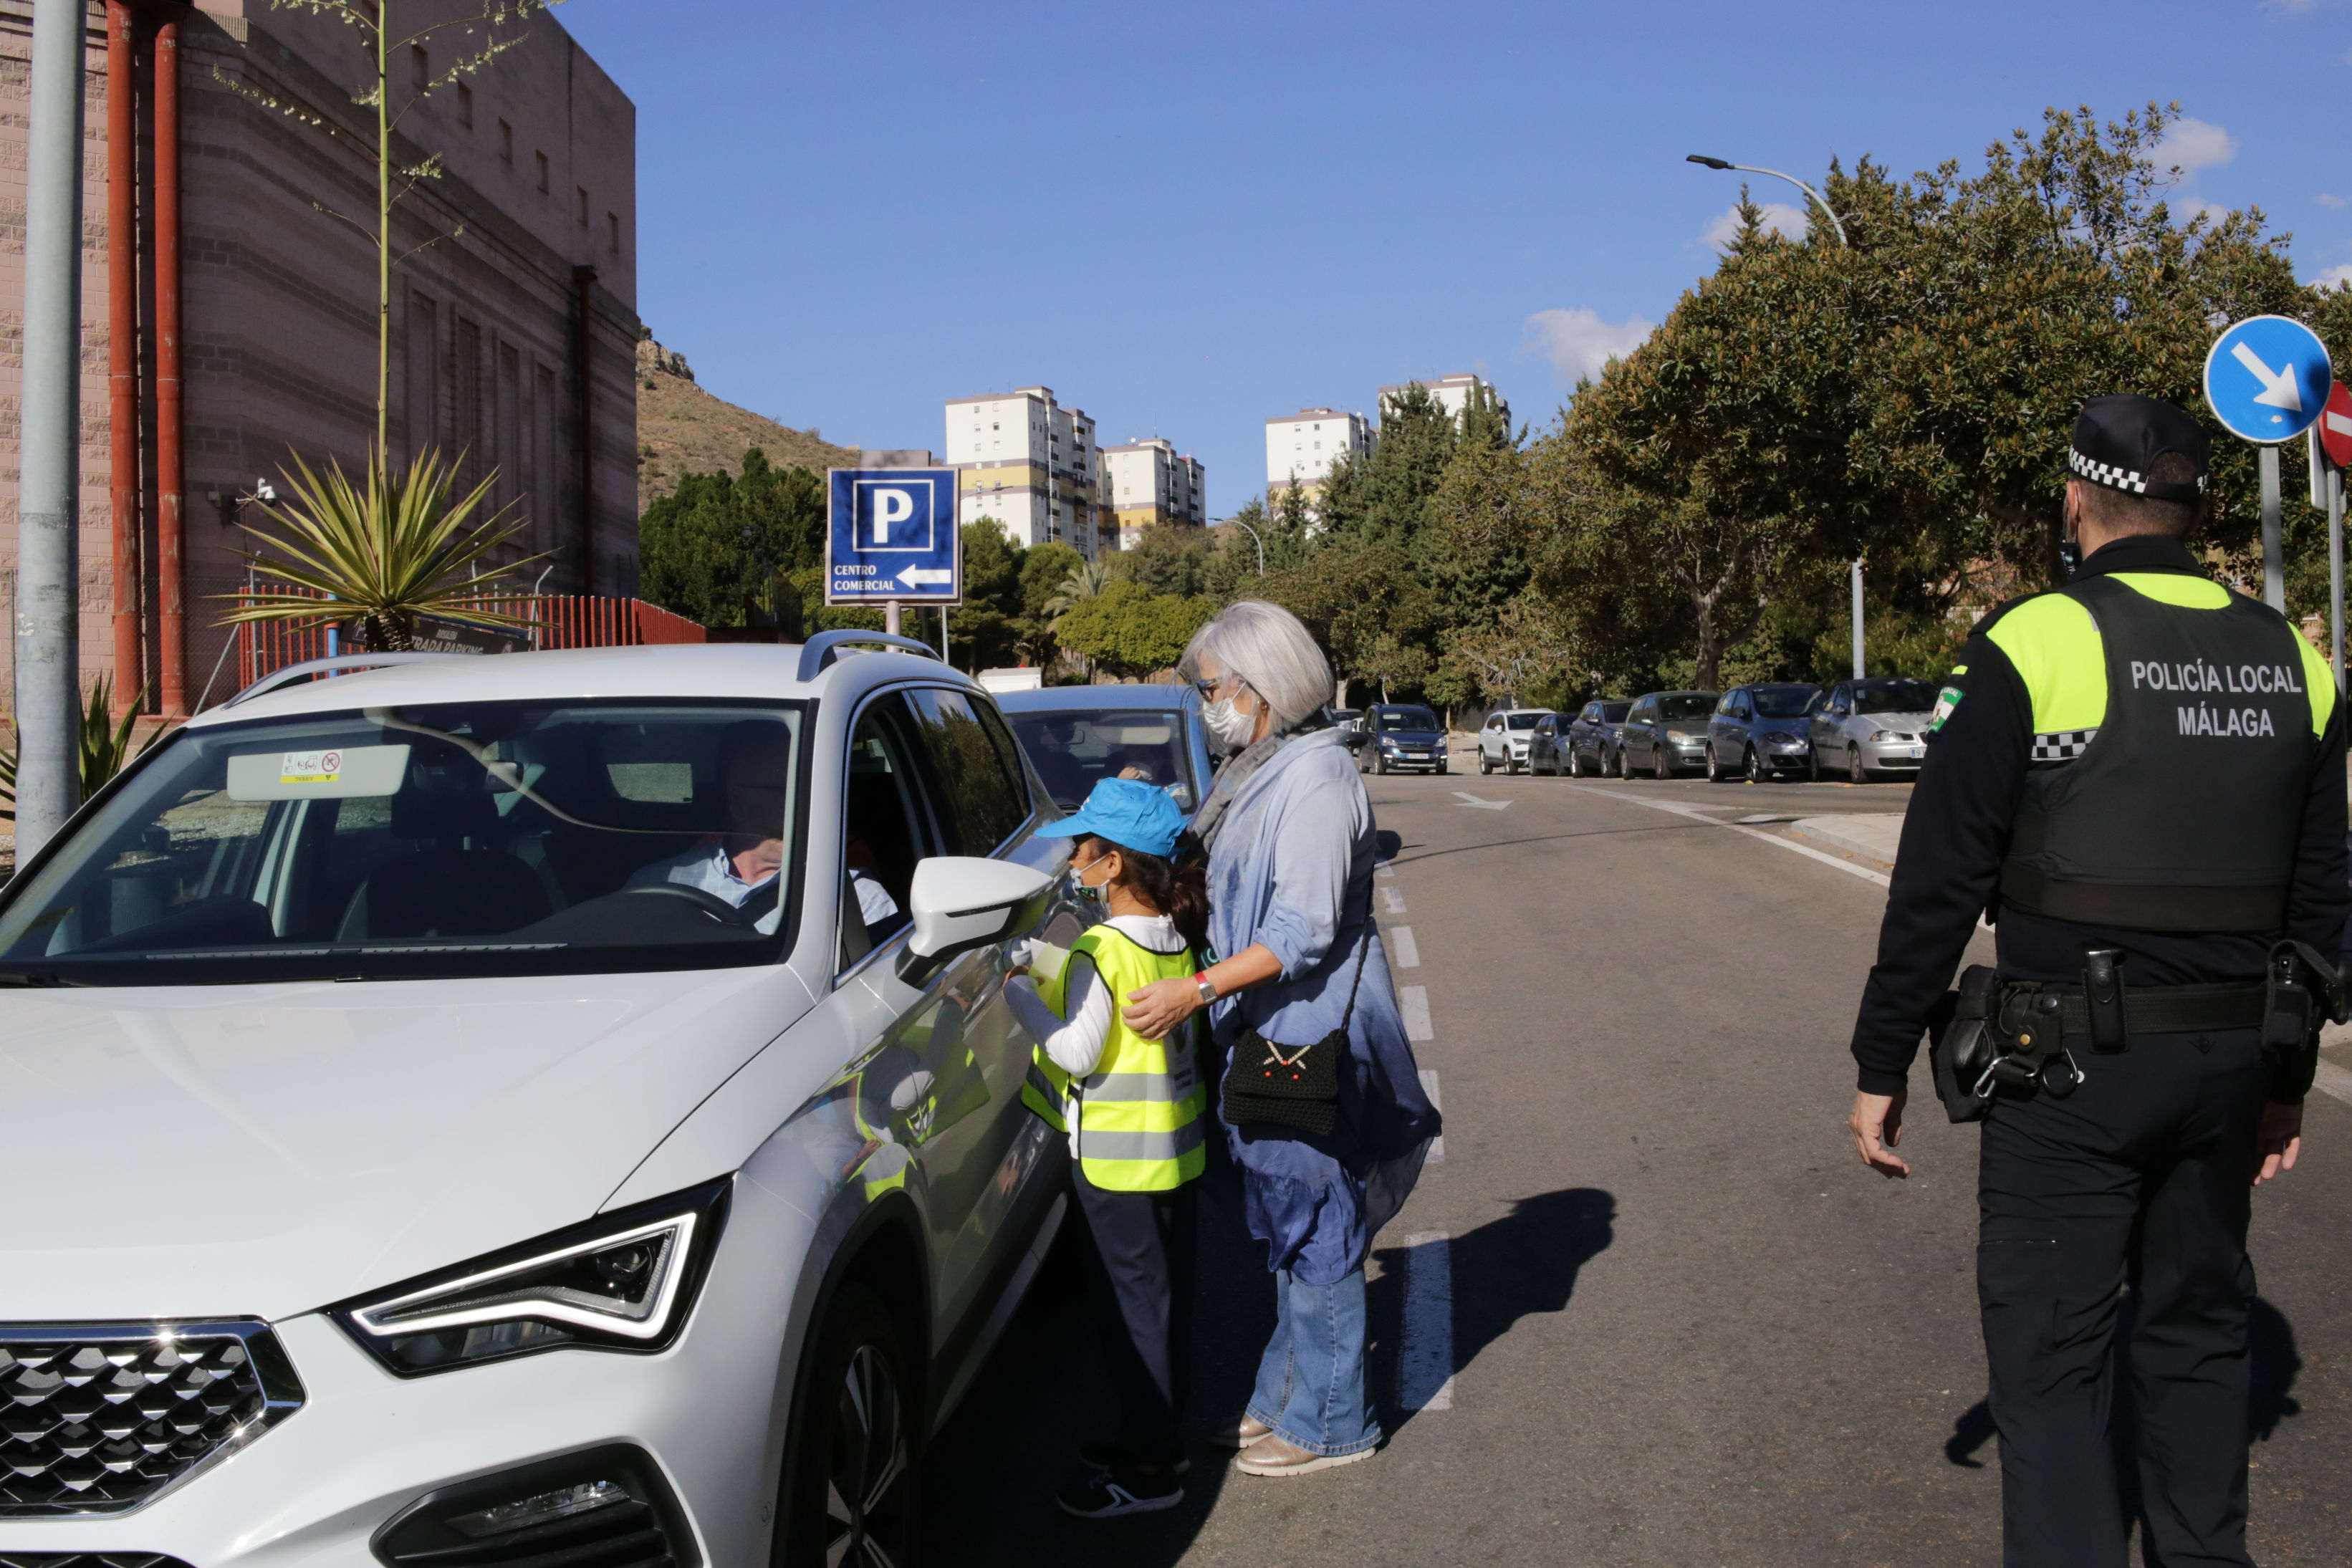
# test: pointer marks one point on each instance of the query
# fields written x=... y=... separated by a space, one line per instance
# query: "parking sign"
x=891 y=535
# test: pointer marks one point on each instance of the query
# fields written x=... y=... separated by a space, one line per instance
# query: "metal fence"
x=552 y=620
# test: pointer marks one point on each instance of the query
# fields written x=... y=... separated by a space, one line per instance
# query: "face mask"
x=1228 y=727
x=1089 y=896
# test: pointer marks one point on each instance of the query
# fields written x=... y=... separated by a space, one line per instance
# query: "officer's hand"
x=1877 y=1117
x=2279 y=1141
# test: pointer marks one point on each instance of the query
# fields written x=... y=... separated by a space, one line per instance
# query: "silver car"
x=1872 y=729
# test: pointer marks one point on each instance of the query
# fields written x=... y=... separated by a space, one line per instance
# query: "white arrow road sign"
x=1483 y=805
x=915 y=575
x=2279 y=390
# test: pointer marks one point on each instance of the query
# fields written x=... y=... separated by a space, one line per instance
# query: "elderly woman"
x=1290 y=839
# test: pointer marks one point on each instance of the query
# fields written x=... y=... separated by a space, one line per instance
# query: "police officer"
x=2140 y=778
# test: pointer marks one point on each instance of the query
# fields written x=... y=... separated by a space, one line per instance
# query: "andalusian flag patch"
x=1946 y=701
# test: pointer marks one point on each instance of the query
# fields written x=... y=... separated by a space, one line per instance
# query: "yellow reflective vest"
x=1140 y=1125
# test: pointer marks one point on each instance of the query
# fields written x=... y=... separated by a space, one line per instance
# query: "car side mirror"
x=962 y=902
x=1353 y=739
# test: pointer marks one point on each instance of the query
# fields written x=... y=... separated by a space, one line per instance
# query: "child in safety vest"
x=1133 y=1109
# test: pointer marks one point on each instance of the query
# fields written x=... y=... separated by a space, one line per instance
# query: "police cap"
x=2119 y=439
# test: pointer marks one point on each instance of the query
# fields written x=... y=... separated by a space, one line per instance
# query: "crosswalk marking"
x=1414 y=1001
x=1392 y=900
x=1403 y=951
x=1425 y=1348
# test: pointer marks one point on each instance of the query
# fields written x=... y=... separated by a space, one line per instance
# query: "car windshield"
x=1405 y=719
x=1894 y=696
x=1073 y=752
x=1689 y=705
x=1614 y=713
x=1523 y=720
x=458 y=838
x=1783 y=702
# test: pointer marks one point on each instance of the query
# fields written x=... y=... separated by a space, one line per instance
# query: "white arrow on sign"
x=916 y=576
x=2279 y=389
x=1470 y=799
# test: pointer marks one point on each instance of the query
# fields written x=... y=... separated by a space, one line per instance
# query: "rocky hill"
x=682 y=429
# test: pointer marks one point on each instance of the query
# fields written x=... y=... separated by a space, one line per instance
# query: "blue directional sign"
x=2267 y=378
x=892 y=534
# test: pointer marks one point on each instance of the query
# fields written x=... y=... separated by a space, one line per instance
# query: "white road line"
x=1385 y=869
x=1469 y=800
x=1425 y=1348
x=1691 y=814
x=1392 y=900
x=1404 y=953
x=1414 y=1001
x=1429 y=1086
x=2331 y=1079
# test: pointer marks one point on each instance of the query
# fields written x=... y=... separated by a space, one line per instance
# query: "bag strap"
x=1363 y=951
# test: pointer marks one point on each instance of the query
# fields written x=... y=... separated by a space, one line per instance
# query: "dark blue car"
x=1399 y=738
x=1759 y=732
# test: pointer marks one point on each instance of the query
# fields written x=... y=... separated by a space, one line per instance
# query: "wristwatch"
x=1207 y=988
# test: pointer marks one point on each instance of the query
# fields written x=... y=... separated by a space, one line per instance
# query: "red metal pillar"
x=170 y=484
x=122 y=343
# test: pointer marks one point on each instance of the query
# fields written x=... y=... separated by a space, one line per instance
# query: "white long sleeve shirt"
x=1074 y=1044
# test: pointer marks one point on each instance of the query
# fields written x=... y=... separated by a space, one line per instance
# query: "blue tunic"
x=1292 y=870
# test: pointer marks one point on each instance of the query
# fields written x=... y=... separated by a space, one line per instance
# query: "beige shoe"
x=1271 y=1456
x=1241 y=1433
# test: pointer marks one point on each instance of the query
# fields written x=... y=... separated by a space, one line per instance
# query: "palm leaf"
x=404 y=546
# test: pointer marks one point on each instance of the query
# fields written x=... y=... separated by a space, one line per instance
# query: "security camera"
x=262 y=491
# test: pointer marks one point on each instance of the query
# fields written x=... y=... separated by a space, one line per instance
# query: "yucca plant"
x=104 y=747
x=392 y=548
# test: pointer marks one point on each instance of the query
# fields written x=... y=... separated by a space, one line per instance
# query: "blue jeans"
x=1310 y=1384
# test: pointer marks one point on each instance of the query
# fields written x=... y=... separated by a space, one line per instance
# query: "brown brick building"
x=514 y=332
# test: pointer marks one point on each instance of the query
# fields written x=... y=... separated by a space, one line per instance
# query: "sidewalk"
x=1868 y=836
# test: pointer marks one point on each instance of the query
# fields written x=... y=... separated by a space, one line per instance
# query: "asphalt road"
x=1686 y=1325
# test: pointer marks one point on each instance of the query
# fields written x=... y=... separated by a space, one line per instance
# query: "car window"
x=1785 y=702
x=473 y=838
x=1729 y=704
x=1894 y=696
x=1074 y=751
x=1522 y=720
x=884 y=829
x=1613 y=713
x=1417 y=719
x=1686 y=704
x=984 y=802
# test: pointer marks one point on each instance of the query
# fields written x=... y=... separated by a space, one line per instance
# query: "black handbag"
x=1293 y=1086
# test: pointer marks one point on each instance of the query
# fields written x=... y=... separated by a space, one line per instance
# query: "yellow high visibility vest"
x=1139 y=1109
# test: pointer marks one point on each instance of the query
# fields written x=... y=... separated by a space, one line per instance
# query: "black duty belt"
x=2168 y=1009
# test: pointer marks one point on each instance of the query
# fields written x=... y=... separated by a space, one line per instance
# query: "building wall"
x=1148 y=482
x=278 y=300
x=1032 y=464
x=1308 y=442
x=1452 y=391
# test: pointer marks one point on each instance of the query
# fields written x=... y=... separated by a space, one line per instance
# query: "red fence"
x=554 y=620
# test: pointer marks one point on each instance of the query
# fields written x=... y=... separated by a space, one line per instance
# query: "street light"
x=1838 y=229
x=1253 y=534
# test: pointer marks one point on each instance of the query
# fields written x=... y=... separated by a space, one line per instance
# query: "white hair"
x=1267 y=646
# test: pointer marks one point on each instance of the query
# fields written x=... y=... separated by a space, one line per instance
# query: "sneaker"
x=1104 y=1454
x=1272 y=1456
x=1107 y=1494
x=1240 y=1434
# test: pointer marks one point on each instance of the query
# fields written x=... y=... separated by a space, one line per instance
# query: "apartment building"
x=1301 y=447
x=1148 y=482
x=1032 y=464
x=247 y=334
x=1451 y=392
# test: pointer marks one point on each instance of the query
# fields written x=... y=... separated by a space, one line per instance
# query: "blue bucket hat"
x=1126 y=812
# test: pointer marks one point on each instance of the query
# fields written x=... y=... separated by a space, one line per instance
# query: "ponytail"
x=1177 y=884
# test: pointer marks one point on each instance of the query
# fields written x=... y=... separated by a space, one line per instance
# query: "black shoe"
x=1104 y=1454
x=1130 y=1488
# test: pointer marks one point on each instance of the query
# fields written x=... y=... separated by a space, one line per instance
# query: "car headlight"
x=1882 y=735
x=623 y=1280
x=1790 y=742
x=1689 y=740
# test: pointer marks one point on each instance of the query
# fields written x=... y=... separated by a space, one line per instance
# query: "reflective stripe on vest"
x=1140 y=1111
x=2173 y=722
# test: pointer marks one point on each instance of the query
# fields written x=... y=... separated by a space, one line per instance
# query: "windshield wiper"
x=37 y=977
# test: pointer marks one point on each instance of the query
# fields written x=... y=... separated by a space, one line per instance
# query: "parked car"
x=1079 y=735
x=1347 y=720
x=1761 y=731
x=1546 y=749
x=1870 y=729
x=1395 y=737
x=1665 y=732
x=466 y=1115
x=1503 y=741
x=1592 y=737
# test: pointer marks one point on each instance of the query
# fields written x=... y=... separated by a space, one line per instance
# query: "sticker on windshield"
x=334 y=773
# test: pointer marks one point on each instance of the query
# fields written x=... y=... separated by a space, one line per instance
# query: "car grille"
x=87 y=1560
x=98 y=1418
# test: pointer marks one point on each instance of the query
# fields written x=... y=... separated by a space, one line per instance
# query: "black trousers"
x=1143 y=1310
x=2139 y=1179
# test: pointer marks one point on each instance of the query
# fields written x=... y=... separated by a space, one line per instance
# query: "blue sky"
x=1188 y=218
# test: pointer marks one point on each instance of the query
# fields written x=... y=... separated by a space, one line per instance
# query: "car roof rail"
x=293 y=673
x=820 y=652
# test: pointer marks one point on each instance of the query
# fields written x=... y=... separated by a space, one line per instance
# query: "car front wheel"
x=1575 y=764
x=1486 y=763
x=1854 y=770
x=849 y=1497
x=1755 y=768
x=1659 y=765
x=1715 y=773
x=1813 y=764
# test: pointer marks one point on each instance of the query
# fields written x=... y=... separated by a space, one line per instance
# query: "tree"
x=1527 y=645
x=1128 y=630
x=715 y=544
x=1167 y=558
x=490 y=28
x=992 y=623
x=385 y=555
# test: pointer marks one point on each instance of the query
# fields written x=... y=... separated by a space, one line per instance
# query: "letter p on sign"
x=890 y=506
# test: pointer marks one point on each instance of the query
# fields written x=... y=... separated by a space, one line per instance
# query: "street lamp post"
x=1253 y=534
x=1838 y=229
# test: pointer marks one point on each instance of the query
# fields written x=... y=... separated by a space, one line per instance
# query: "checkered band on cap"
x=2063 y=744
x=2112 y=476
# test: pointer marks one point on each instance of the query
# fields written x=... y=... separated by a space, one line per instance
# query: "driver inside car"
x=743 y=862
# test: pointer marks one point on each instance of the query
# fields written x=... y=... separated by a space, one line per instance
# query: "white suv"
x=1503 y=740
x=433 y=1136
